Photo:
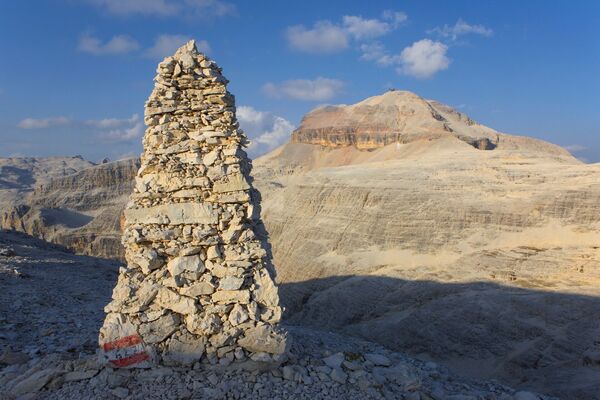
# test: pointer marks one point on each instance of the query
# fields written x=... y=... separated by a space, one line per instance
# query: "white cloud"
x=124 y=130
x=33 y=123
x=423 y=59
x=108 y=123
x=376 y=52
x=459 y=29
x=212 y=7
x=327 y=37
x=146 y=7
x=362 y=28
x=574 y=148
x=166 y=8
x=166 y=45
x=324 y=37
x=318 y=89
x=396 y=18
x=119 y=44
x=265 y=130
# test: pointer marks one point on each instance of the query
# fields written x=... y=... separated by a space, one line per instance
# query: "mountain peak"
x=395 y=116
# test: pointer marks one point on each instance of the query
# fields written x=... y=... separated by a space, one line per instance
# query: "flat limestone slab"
x=173 y=214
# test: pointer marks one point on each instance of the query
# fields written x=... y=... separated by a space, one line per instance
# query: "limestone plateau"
x=197 y=284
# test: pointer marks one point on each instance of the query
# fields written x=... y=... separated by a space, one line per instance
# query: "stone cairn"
x=197 y=286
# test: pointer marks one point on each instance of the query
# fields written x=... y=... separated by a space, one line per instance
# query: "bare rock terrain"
x=487 y=260
x=80 y=208
x=51 y=309
x=482 y=258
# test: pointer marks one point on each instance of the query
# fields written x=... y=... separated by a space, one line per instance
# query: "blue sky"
x=74 y=74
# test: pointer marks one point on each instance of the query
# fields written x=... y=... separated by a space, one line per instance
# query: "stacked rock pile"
x=198 y=284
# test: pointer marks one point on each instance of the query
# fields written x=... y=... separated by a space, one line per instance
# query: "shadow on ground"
x=540 y=340
x=543 y=341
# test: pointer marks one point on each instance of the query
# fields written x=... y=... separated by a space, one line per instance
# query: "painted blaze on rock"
x=197 y=285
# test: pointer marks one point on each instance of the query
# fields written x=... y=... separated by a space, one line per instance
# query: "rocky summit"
x=395 y=117
x=197 y=284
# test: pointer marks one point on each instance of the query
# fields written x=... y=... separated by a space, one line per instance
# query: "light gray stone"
x=378 y=359
x=185 y=263
x=174 y=214
x=334 y=360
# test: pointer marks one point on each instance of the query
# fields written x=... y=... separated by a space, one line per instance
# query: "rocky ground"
x=51 y=309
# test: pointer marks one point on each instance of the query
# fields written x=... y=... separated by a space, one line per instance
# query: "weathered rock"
x=172 y=214
x=231 y=283
x=378 y=359
x=263 y=338
x=13 y=357
x=198 y=289
x=232 y=296
x=526 y=396
x=184 y=349
x=334 y=360
x=170 y=300
x=338 y=375
x=237 y=315
x=158 y=330
x=187 y=263
x=35 y=381
x=194 y=260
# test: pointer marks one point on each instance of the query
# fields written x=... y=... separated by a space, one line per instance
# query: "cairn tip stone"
x=198 y=285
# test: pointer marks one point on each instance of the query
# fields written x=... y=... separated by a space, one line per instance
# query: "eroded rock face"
x=393 y=117
x=79 y=209
x=197 y=283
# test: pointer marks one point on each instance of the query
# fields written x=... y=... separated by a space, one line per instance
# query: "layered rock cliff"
x=394 y=117
x=485 y=260
x=19 y=175
x=80 y=209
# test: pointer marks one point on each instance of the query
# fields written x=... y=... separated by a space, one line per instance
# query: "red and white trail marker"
x=128 y=351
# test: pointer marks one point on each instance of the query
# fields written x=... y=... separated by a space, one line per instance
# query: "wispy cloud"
x=166 y=8
x=265 y=130
x=119 y=44
x=124 y=130
x=377 y=52
x=166 y=45
x=108 y=130
x=361 y=28
x=396 y=18
x=323 y=37
x=108 y=123
x=328 y=37
x=460 y=28
x=217 y=8
x=319 y=89
x=33 y=123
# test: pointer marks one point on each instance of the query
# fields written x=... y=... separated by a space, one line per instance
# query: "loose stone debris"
x=197 y=285
x=305 y=375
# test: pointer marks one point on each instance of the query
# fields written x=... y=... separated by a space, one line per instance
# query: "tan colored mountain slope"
x=486 y=260
x=395 y=117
